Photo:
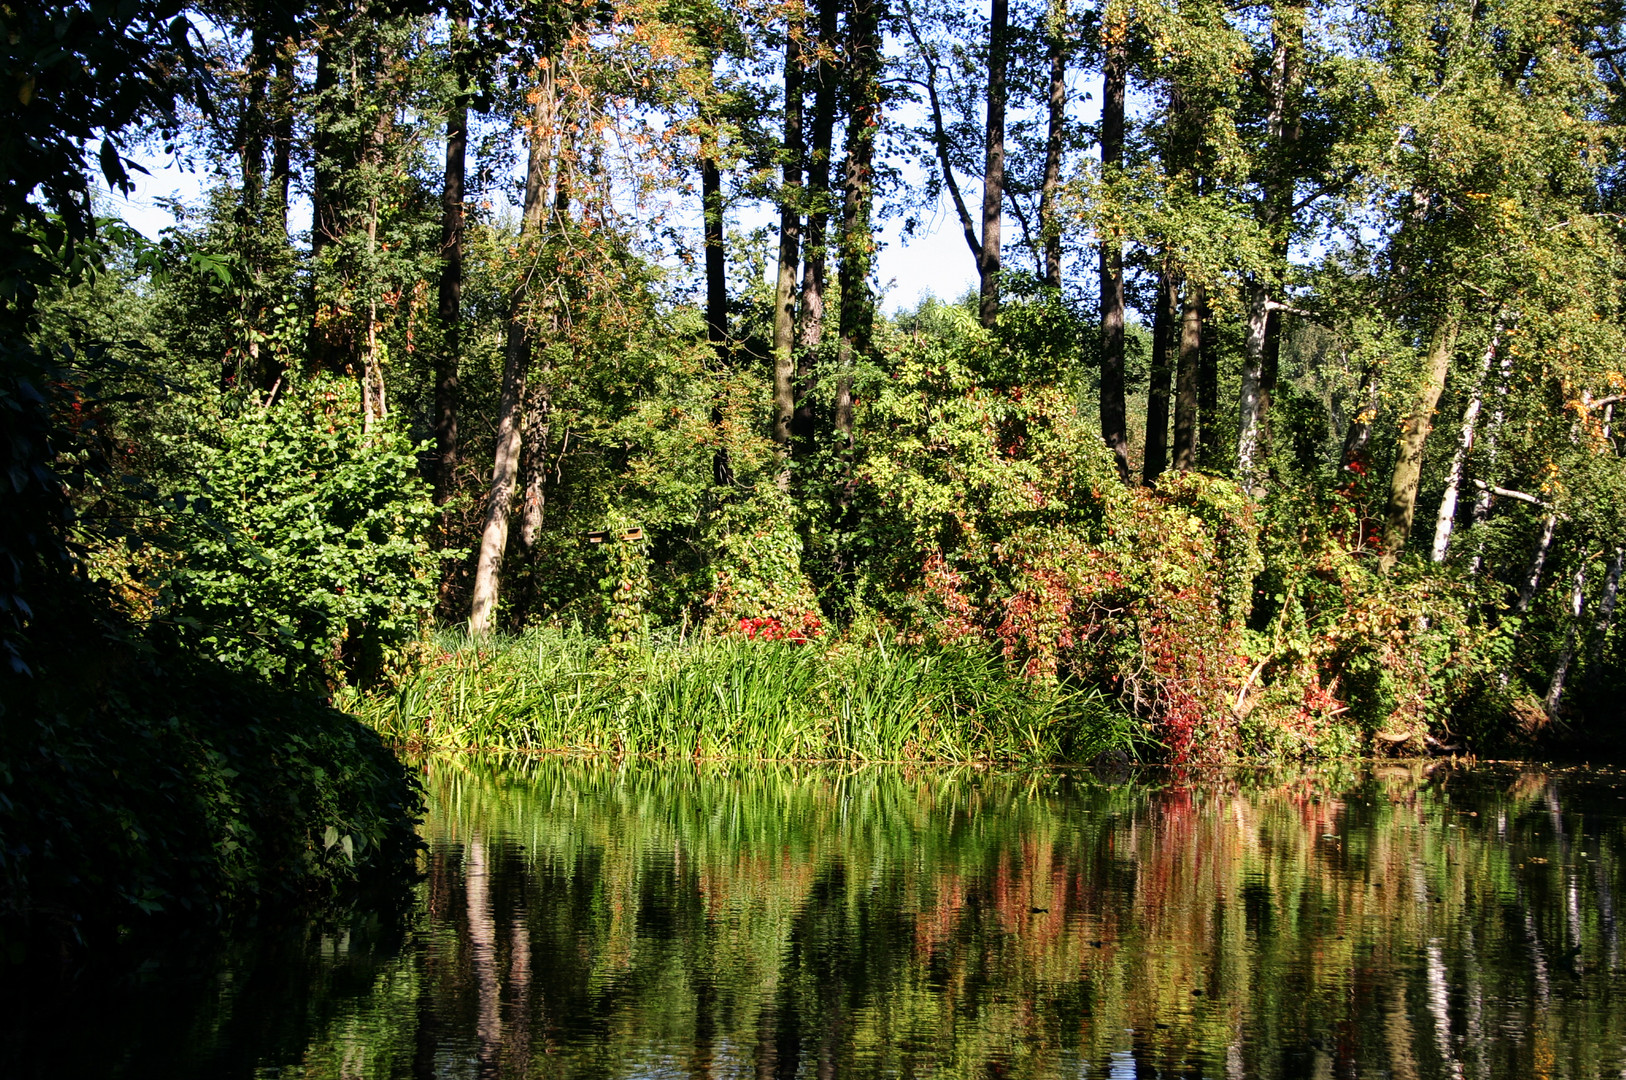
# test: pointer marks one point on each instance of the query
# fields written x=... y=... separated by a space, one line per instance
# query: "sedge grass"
x=730 y=698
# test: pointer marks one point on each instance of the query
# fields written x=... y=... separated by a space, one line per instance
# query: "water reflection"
x=657 y=921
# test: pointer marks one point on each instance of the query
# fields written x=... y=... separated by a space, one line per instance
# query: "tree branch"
x=1509 y=493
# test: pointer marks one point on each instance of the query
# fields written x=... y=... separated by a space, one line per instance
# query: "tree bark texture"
x=1114 y=77
x=1187 y=378
x=790 y=226
x=1165 y=346
x=450 y=298
x=711 y=205
x=1493 y=431
x=1208 y=433
x=993 y=173
x=515 y=369
x=1414 y=433
x=282 y=133
x=1445 y=521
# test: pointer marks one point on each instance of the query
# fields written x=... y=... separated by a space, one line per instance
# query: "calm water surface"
x=587 y=920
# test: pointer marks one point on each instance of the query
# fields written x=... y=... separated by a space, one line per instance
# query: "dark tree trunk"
x=993 y=173
x=1188 y=378
x=1165 y=344
x=282 y=134
x=325 y=171
x=252 y=131
x=451 y=272
x=804 y=425
x=857 y=242
x=790 y=225
x=1049 y=227
x=711 y=204
x=1114 y=76
x=1208 y=444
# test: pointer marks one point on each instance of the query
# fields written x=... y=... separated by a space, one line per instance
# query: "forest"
x=524 y=378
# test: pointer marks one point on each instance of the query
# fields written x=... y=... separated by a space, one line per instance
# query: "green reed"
x=733 y=698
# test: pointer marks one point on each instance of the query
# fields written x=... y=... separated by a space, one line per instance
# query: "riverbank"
x=731 y=697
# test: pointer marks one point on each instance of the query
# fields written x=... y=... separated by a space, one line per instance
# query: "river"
x=582 y=919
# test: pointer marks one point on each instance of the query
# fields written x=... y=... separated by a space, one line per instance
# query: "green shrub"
x=297 y=544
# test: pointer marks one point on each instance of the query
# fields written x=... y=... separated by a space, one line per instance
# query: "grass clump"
x=728 y=697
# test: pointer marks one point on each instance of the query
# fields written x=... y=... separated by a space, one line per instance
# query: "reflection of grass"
x=731 y=698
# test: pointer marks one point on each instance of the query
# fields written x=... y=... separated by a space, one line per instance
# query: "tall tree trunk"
x=1165 y=321
x=1249 y=396
x=1493 y=431
x=538 y=408
x=282 y=133
x=516 y=365
x=711 y=206
x=1413 y=434
x=326 y=117
x=1445 y=521
x=1114 y=77
x=804 y=425
x=1049 y=225
x=1359 y=432
x=1606 y=605
x=1208 y=441
x=993 y=172
x=1187 y=378
x=1555 y=688
x=790 y=224
x=1538 y=562
x=858 y=194
x=252 y=133
x=450 y=307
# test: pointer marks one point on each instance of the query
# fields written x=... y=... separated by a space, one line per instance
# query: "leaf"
x=330 y=838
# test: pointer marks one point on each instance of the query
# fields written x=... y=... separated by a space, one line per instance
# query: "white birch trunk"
x=1446 y=520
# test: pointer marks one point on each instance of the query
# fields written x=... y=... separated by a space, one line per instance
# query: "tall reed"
x=732 y=698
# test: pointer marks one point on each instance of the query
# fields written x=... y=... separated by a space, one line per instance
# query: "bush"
x=297 y=544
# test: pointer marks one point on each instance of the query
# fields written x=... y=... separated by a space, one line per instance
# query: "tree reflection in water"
x=589 y=920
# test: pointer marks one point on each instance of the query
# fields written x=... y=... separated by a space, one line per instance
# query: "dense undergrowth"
x=733 y=697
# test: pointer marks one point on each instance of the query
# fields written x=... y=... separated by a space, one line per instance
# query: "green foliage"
x=297 y=545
